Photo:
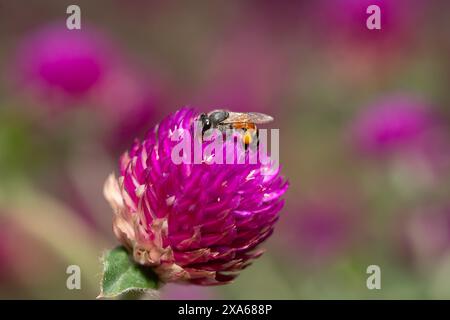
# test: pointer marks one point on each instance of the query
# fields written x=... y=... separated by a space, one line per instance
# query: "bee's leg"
x=205 y=123
x=203 y=132
x=253 y=137
x=257 y=138
x=250 y=138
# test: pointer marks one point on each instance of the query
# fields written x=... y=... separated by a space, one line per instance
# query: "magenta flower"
x=60 y=64
x=187 y=292
x=247 y=72
x=426 y=234
x=325 y=225
x=322 y=230
x=346 y=20
x=61 y=68
x=352 y=52
x=198 y=223
x=17 y=262
x=393 y=124
x=127 y=100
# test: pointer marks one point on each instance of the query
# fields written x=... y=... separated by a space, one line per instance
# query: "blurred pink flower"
x=345 y=20
x=63 y=68
x=351 y=52
x=245 y=72
x=127 y=101
x=426 y=234
x=322 y=229
x=10 y=234
x=323 y=226
x=282 y=16
x=61 y=65
x=20 y=254
x=392 y=124
x=187 y=292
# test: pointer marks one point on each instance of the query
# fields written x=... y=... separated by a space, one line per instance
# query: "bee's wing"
x=252 y=117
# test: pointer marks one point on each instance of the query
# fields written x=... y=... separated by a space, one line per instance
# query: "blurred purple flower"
x=186 y=292
x=62 y=68
x=393 y=124
x=245 y=72
x=345 y=20
x=17 y=260
x=61 y=65
x=197 y=223
x=282 y=16
x=322 y=227
x=127 y=100
x=426 y=234
x=353 y=53
x=10 y=234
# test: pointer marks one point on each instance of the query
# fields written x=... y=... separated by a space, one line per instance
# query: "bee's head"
x=206 y=123
x=217 y=117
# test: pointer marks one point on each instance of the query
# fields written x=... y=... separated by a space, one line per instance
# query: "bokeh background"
x=364 y=120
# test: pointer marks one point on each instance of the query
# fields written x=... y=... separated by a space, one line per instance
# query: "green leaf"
x=122 y=275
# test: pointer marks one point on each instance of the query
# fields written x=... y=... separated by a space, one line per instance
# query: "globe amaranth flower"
x=246 y=71
x=325 y=225
x=425 y=234
x=60 y=64
x=62 y=69
x=323 y=229
x=17 y=268
x=347 y=20
x=197 y=223
x=187 y=292
x=393 y=124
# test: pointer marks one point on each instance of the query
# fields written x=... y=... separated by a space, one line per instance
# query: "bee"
x=245 y=121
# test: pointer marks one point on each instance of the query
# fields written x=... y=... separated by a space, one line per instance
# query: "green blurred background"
x=364 y=124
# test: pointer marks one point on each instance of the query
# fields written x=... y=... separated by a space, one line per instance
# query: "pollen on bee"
x=247 y=138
